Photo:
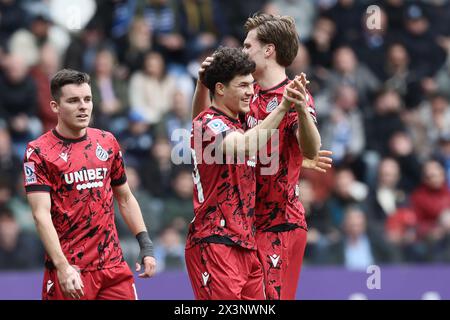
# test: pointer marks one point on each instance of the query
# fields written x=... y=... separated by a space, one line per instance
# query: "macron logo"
x=274 y=259
x=205 y=276
x=49 y=285
x=29 y=152
x=63 y=156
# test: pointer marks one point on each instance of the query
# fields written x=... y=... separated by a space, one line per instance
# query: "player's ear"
x=270 y=49
x=219 y=88
x=55 y=106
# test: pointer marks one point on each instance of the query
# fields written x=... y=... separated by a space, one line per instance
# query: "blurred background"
x=381 y=83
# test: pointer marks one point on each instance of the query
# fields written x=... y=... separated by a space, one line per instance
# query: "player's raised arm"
x=201 y=98
x=250 y=141
x=131 y=213
x=68 y=277
x=307 y=135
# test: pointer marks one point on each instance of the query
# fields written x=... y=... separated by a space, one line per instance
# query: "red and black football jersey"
x=79 y=175
x=224 y=186
x=277 y=188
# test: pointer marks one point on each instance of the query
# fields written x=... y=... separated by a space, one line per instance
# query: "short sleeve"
x=118 y=175
x=35 y=171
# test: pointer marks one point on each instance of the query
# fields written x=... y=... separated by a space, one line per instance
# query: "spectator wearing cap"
x=426 y=55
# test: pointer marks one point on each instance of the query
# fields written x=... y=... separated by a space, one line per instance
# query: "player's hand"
x=320 y=163
x=70 y=282
x=149 y=267
x=205 y=64
x=294 y=93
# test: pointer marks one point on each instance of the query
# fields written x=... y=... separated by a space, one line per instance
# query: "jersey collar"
x=282 y=83
x=60 y=137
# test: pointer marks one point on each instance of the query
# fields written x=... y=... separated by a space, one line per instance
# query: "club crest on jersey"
x=101 y=153
x=218 y=126
x=30 y=173
x=272 y=105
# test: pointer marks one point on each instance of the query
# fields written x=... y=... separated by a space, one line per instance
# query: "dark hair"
x=279 y=30
x=64 y=77
x=227 y=64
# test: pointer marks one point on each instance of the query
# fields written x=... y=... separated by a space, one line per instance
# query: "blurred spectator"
x=19 y=206
x=386 y=197
x=384 y=120
x=137 y=139
x=348 y=70
x=136 y=43
x=347 y=192
x=18 y=249
x=347 y=14
x=160 y=15
x=151 y=208
x=12 y=18
x=169 y=250
x=9 y=162
x=426 y=55
x=343 y=132
x=402 y=150
x=109 y=94
x=442 y=154
x=236 y=12
x=304 y=13
x=178 y=211
x=202 y=25
x=321 y=232
x=81 y=53
x=394 y=10
x=18 y=103
x=42 y=73
x=431 y=121
x=359 y=246
x=322 y=43
x=441 y=239
x=372 y=43
x=178 y=118
x=158 y=168
x=28 y=42
x=398 y=75
x=431 y=198
x=151 y=90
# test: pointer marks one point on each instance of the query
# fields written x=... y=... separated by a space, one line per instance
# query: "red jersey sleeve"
x=118 y=175
x=35 y=170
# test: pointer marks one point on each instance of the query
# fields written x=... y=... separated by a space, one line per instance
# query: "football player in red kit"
x=221 y=254
x=72 y=173
x=272 y=43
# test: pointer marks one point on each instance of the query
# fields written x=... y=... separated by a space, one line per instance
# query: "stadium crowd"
x=380 y=80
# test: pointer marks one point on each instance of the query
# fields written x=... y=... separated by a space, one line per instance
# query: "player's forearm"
x=308 y=135
x=200 y=99
x=258 y=136
x=132 y=215
x=50 y=239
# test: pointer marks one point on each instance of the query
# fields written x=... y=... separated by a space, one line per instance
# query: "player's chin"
x=244 y=107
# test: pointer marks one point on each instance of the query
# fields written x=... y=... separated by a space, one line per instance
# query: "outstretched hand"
x=320 y=163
